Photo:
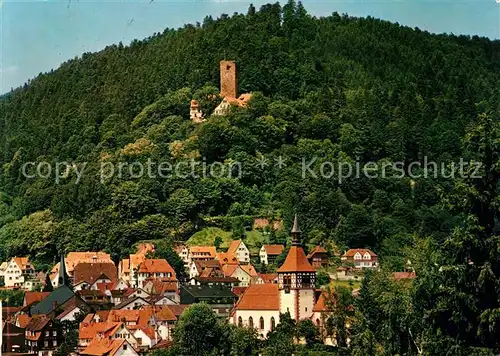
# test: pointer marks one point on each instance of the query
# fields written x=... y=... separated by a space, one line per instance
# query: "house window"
x=47 y=333
x=273 y=323
x=54 y=333
x=46 y=344
x=125 y=346
x=318 y=322
x=261 y=323
x=54 y=343
x=250 y=323
x=240 y=321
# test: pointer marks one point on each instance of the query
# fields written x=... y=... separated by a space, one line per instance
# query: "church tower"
x=296 y=280
x=62 y=280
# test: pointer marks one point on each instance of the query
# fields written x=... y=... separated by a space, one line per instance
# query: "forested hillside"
x=337 y=87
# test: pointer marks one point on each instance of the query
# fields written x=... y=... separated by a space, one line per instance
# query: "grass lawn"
x=348 y=284
x=207 y=236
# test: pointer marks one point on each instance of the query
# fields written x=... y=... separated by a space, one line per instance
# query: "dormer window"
x=357 y=256
x=367 y=256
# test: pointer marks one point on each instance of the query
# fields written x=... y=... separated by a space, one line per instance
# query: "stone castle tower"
x=228 y=79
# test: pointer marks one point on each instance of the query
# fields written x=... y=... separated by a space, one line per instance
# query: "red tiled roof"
x=320 y=305
x=296 y=261
x=103 y=347
x=362 y=251
x=124 y=315
x=249 y=269
x=125 y=265
x=239 y=290
x=149 y=331
x=233 y=247
x=268 y=277
x=162 y=313
x=90 y=330
x=90 y=272
x=260 y=297
x=103 y=314
x=34 y=297
x=22 y=262
x=161 y=287
x=229 y=269
x=37 y=324
x=227 y=258
x=156 y=266
x=273 y=250
x=203 y=249
x=74 y=258
x=315 y=250
x=177 y=309
x=23 y=320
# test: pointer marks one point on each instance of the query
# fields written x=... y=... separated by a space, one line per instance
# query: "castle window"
x=250 y=323
x=261 y=323
x=306 y=280
x=287 y=281
x=273 y=323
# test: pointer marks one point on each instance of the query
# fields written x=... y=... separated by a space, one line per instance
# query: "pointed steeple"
x=62 y=271
x=296 y=260
x=296 y=232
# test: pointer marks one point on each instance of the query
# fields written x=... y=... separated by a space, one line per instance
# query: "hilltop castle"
x=228 y=93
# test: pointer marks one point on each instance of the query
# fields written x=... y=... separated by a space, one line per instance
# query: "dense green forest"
x=338 y=88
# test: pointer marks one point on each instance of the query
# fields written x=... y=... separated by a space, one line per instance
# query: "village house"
x=20 y=273
x=197 y=268
x=42 y=336
x=360 y=258
x=106 y=347
x=88 y=275
x=90 y=330
x=154 y=269
x=269 y=253
x=260 y=305
x=318 y=257
x=183 y=252
x=74 y=258
x=160 y=289
x=133 y=303
x=246 y=274
x=238 y=249
x=201 y=253
x=128 y=267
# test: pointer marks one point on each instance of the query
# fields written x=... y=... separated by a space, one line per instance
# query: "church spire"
x=296 y=232
x=62 y=271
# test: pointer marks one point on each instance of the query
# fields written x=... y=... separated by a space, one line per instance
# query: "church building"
x=260 y=305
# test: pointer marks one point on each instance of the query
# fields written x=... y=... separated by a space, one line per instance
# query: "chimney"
x=228 y=80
